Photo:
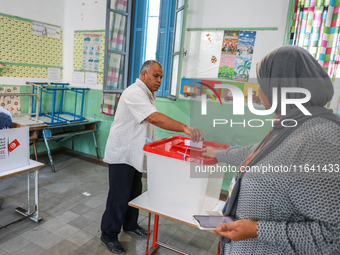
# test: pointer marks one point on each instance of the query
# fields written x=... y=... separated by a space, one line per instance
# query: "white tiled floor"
x=71 y=220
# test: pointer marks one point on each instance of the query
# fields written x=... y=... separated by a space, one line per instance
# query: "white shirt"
x=126 y=139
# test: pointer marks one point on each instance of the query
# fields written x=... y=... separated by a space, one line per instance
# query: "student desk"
x=33 y=166
x=62 y=132
x=142 y=202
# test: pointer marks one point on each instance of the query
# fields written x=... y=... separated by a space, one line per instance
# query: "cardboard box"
x=14 y=148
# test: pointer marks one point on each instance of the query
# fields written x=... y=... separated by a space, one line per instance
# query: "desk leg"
x=48 y=151
x=33 y=216
x=154 y=247
x=155 y=231
x=95 y=144
x=35 y=150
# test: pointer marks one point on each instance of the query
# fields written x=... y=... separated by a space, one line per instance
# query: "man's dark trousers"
x=125 y=184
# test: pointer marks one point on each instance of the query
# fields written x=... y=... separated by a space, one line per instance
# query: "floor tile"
x=71 y=220
x=48 y=241
x=62 y=248
x=14 y=244
x=80 y=238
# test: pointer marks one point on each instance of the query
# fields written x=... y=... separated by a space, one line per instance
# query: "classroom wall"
x=81 y=15
x=90 y=15
x=234 y=14
x=51 y=12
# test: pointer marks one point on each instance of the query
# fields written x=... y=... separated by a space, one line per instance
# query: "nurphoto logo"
x=238 y=105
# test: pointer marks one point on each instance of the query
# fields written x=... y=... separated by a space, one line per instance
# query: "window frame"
x=128 y=55
x=127 y=45
x=180 y=52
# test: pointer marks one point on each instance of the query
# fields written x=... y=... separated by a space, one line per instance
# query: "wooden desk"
x=33 y=166
x=142 y=202
x=60 y=133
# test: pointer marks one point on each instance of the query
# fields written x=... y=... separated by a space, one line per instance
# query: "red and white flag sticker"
x=13 y=145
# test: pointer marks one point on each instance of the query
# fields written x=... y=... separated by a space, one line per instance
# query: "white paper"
x=53 y=73
x=45 y=30
x=91 y=78
x=78 y=77
x=193 y=144
x=210 y=54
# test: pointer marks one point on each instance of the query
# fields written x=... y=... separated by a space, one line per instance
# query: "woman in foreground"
x=294 y=209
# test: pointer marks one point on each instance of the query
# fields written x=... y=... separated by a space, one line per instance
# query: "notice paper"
x=91 y=78
x=78 y=77
x=53 y=73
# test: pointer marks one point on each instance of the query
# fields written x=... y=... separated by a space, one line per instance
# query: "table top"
x=32 y=166
x=26 y=122
x=142 y=202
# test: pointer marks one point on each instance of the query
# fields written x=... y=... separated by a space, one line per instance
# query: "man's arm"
x=160 y=120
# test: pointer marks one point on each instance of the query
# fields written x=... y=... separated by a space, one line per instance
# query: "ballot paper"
x=193 y=144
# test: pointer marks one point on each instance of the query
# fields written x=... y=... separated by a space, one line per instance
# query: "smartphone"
x=206 y=222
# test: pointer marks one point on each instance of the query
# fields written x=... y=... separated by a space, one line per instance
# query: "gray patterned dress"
x=298 y=211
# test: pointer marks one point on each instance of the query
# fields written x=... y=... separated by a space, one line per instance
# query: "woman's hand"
x=209 y=152
x=238 y=230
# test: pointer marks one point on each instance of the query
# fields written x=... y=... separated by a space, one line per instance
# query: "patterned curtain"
x=10 y=103
x=117 y=42
x=315 y=27
x=109 y=103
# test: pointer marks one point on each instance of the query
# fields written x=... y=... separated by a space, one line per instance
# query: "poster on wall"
x=91 y=52
x=210 y=54
x=236 y=55
x=244 y=55
x=228 y=54
x=45 y=30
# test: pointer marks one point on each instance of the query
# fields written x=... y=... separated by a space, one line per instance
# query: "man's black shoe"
x=139 y=231
x=114 y=247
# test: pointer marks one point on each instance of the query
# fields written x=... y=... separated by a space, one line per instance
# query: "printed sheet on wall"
x=226 y=54
x=91 y=52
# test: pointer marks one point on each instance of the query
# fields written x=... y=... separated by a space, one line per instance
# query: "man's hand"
x=209 y=152
x=194 y=133
x=238 y=230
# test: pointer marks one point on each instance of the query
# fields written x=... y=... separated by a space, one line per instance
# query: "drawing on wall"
x=236 y=55
x=215 y=91
x=246 y=43
x=226 y=69
x=230 y=42
x=210 y=52
x=91 y=52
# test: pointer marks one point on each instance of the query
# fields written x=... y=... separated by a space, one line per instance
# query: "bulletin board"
x=78 y=52
x=24 y=54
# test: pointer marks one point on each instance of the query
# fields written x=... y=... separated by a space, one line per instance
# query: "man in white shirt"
x=134 y=122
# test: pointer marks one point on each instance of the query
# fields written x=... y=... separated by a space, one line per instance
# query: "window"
x=117 y=44
x=154 y=30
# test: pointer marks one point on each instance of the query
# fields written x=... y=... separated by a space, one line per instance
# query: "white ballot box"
x=14 y=148
x=180 y=182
